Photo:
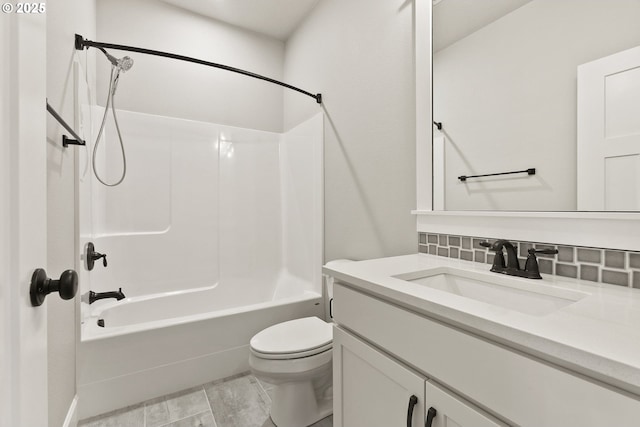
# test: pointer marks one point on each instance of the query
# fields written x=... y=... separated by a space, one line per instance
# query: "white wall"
x=64 y=19
x=173 y=88
x=359 y=55
x=507 y=98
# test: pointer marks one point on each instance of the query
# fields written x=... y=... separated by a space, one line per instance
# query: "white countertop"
x=598 y=336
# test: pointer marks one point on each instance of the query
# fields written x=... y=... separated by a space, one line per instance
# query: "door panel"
x=622 y=103
x=622 y=173
x=609 y=133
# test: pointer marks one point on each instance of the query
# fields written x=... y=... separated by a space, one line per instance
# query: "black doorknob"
x=41 y=286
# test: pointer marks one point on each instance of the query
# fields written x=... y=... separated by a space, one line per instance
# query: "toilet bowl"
x=296 y=357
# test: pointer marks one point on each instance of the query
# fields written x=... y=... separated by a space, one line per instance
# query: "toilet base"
x=301 y=403
x=302 y=377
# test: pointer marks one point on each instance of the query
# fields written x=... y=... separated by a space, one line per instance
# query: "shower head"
x=125 y=63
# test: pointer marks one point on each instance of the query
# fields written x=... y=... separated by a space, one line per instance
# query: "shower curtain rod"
x=82 y=43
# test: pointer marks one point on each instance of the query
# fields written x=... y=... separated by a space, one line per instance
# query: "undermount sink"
x=528 y=298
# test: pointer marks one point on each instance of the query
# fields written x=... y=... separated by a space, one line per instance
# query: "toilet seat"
x=293 y=339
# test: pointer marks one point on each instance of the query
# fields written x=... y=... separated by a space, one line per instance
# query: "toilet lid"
x=308 y=335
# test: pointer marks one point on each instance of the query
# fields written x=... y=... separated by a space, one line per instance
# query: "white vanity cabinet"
x=372 y=389
x=452 y=411
x=384 y=353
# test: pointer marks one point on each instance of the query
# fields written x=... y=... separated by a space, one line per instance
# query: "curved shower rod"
x=82 y=43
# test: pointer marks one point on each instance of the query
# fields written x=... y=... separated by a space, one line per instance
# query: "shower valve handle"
x=92 y=256
x=97 y=256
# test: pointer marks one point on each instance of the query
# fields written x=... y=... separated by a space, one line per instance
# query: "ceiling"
x=275 y=18
x=456 y=19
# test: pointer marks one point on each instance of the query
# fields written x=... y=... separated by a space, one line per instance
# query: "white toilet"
x=296 y=357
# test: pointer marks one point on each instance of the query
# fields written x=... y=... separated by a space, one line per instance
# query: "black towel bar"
x=530 y=171
x=65 y=140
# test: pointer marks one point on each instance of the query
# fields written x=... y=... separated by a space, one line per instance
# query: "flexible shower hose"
x=113 y=84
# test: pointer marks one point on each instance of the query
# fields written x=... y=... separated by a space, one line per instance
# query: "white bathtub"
x=154 y=345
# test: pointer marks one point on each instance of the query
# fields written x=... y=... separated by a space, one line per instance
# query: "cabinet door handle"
x=431 y=414
x=413 y=400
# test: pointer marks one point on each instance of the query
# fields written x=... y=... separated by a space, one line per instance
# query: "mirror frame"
x=618 y=230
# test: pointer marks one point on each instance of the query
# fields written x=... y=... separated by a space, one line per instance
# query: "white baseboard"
x=71 y=420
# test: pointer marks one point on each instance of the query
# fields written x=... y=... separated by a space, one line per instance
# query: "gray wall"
x=64 y=19
x=507 y=97
x=178 y=89
x=359 y=55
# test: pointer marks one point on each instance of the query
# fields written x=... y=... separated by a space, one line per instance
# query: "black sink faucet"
x=512 y=254
x=512 y=267
x=95 y=296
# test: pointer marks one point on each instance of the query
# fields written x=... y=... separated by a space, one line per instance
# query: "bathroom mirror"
x=506 y=93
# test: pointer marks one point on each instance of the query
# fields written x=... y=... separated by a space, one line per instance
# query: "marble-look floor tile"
x=265 y=385
x=204 y=419
x=128 y=417
x=156 y=413
x=186 y=404
x=325 y=422
x=268 y=423
x=267 y=388
x=240 y=402
x=270 y=392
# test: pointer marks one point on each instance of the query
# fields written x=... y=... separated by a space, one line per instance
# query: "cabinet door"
x=451 y=411
x=371 y=389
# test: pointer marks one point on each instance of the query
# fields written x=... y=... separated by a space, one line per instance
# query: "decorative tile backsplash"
x=597 y=265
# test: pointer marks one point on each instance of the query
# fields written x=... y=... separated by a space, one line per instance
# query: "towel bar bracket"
x=66 y=141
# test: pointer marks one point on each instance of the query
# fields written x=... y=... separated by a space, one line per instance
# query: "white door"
x=372 y=390
x=609 y=133
x=23 y=233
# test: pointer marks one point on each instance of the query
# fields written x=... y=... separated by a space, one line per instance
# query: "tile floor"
x=240 y=401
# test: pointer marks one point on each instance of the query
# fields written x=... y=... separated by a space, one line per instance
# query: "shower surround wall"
x=166 y=207
x=203 y=205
